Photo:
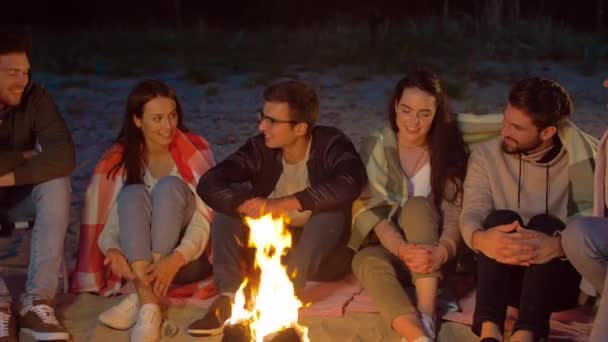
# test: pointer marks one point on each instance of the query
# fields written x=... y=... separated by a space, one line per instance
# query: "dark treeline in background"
x=583 y=15
x=206 y=39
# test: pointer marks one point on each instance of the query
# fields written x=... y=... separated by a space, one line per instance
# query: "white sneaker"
x=147 y=328
x=123 y=315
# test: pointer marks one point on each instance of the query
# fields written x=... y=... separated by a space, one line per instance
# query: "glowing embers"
x=271 y=311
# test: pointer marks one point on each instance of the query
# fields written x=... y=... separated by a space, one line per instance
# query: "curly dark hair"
x=545 y=101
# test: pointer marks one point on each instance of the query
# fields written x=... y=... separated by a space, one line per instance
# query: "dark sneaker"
x=8 y=331
x=213 y=321
x=38 y=321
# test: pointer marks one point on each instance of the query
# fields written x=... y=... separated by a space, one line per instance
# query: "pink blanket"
x=573 y=324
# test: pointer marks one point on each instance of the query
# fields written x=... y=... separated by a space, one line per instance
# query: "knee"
x=53 y=197
x=57 y=190
x=500 y=217
x=578 y=235
x=546 y=223
x=415 y=206
x=169 y=184
x=132 y=193
x=419 y=220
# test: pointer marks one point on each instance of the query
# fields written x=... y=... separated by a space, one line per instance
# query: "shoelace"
x=46 y=314
x=4 y=321
x=128 y=305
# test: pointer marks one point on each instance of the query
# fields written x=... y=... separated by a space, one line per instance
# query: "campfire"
x=270 y=312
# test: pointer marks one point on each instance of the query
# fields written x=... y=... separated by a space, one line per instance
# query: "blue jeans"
x=585 y=242
x=155 y=222
x=48 y=205
x=319 y=253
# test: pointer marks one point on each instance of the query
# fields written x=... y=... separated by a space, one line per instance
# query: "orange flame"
x=275 y=306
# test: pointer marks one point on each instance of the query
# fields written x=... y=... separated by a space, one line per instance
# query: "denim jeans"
x=537 y=290
x=585 y=242
x=48 y=205
x=155 y=222
x=319 y=250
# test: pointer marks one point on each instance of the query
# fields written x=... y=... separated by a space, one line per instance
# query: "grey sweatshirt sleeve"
x=477 y=200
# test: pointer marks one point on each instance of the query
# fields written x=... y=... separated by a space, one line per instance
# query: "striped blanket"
x=192 y=156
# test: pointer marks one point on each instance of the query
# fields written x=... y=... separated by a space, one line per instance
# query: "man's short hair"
x=545 y=101
x=14 y=41
x=300 y=97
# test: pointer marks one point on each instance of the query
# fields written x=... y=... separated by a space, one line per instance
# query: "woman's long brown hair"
x=131 y=138
x=448 y=152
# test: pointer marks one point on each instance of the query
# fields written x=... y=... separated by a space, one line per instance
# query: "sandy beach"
x=224 y=113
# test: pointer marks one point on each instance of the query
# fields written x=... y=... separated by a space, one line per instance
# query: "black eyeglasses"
x=271 y=121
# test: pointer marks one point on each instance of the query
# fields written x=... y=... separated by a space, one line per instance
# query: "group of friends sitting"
x=392 y=211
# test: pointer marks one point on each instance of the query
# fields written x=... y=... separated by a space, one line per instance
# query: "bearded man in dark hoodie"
x=519 y=192
x=36 y=159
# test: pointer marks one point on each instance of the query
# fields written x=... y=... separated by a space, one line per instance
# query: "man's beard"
x=520 y=149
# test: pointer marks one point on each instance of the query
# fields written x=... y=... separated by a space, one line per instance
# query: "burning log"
x=265 y=308
x=242 y=333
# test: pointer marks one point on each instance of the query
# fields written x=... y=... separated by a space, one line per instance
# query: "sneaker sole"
x=46 y=336
x=206 y=332
x=112 y=325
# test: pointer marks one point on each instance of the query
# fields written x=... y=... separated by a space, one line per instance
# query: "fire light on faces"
x=274 y=306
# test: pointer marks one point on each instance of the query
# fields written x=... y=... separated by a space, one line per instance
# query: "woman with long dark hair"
x=150 y=225
x=405 y=224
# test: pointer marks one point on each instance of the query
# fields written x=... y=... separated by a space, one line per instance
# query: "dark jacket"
x=335 y=171
x=35 y=120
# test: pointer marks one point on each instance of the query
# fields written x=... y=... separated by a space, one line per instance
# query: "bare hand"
x=253 y=207
x=416 y=258
x=508 y=244
x=547 y=248
x=118 y=264
x=161 y=274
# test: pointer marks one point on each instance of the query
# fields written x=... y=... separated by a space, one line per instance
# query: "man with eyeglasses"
x=36 y=159
x=310 y=173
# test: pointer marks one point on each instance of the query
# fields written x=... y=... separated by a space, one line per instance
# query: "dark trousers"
x=536 y=290
x=319 y=250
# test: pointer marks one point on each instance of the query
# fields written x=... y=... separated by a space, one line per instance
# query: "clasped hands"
x=514 y=245
x=159 y=275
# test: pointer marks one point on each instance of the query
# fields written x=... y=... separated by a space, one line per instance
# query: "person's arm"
x=109 y=238
x=216 y=186
x=195 y=239
x=346 y=183
x=450 y=233
x=390 y=237
x=57 y=157
x=477 y=202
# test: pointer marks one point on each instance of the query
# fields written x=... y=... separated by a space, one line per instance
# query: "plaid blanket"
x=192 y=156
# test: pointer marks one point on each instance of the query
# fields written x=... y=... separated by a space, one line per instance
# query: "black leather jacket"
x=335 y=171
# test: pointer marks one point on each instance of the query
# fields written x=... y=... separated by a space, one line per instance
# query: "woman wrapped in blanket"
x=405 y=224
x=157 y=228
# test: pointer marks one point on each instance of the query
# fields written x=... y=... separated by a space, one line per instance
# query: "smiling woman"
x=406 y=223
x=154 y=228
